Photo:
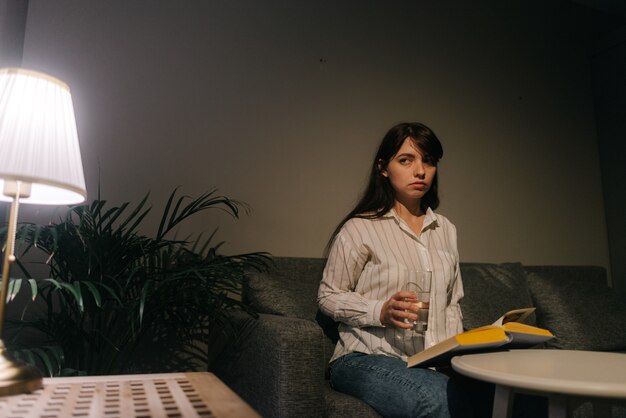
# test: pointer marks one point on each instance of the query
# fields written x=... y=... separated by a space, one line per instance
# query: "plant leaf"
x=14 y=288
x=73 y=289
x=95 y=293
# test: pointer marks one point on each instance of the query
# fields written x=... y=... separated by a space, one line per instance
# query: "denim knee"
x=394 y=390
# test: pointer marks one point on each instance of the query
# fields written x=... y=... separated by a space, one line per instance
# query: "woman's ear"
x=381 y=169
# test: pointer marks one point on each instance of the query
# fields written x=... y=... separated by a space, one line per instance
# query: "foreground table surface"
x=129 y=396
x=555 y=373
x=585 y=373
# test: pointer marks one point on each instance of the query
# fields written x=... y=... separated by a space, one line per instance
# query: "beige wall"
x=282 y=103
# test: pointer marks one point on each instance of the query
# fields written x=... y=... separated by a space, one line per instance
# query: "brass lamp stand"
x=15 y=376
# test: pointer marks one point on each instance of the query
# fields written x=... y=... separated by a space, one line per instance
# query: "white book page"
x=516 y=315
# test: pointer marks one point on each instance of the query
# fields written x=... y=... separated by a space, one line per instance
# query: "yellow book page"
x=484 y=327
x=482 y=335
x=526 y=329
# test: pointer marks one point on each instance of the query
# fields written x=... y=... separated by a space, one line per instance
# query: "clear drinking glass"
x=419 y=282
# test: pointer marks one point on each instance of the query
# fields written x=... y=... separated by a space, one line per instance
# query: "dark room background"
x=281 y=104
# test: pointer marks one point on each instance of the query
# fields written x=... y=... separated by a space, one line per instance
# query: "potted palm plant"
x=118 y=301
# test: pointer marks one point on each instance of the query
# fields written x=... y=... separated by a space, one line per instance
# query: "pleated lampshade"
x=38 y=138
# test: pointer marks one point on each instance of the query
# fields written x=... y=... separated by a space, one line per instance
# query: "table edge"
x=547 y=385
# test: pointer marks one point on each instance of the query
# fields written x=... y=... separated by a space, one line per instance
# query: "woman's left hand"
x=401 y=306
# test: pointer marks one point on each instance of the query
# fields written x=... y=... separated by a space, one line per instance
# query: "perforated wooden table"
x=174 y=395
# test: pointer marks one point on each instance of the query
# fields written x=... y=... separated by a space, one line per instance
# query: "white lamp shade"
x=38 y=138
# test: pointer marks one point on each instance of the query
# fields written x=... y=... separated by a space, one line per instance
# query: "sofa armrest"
x=276 y=364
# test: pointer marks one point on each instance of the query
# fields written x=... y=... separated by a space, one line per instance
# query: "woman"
x=391 y=230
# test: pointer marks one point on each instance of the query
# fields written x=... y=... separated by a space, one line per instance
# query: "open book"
x=507 y=332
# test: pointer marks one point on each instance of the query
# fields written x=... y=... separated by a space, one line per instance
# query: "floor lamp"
x=40 y=163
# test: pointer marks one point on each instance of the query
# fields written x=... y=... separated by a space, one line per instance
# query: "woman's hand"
x=400 y=307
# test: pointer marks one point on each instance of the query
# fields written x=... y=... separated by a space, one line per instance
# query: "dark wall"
x=281 y=104
x=609 y=77
x=12 y=28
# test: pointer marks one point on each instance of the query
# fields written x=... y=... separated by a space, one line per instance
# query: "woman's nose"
x=418 y=169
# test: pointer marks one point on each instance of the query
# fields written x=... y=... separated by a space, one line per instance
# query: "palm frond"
x=173 y=217
x=49 y=359
x=117 y=301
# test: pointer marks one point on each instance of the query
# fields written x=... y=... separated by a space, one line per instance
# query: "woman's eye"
x=403 y=161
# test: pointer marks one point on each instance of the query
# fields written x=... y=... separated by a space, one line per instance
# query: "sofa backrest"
x=491 y=290
x=290 y=287
x=576 y=304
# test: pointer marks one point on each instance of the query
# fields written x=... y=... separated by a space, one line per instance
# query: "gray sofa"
x=278 y=362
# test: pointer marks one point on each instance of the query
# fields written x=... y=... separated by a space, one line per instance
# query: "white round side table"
x=557 y=374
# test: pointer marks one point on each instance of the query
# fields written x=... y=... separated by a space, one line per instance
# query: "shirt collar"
x=430 y=221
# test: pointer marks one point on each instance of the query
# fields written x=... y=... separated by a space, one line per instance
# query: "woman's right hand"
x=401 y=306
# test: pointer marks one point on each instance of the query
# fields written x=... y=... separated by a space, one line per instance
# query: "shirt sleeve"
x=337 y=297
x=454 y=316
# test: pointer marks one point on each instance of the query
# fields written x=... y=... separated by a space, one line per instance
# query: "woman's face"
x=410 y=175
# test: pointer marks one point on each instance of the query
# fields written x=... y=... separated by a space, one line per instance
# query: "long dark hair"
x=378 y=197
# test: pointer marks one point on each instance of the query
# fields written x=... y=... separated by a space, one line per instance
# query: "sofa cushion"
x=581 y=311
x=491 y=290
x=288 y=288
x=340 y=405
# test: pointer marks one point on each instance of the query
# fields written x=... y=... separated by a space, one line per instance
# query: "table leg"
x=557 y=406
x=502 y=402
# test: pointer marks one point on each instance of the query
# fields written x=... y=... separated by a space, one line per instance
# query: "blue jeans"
x=393 y=390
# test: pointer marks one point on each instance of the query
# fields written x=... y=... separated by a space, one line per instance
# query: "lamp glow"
x=38 y=138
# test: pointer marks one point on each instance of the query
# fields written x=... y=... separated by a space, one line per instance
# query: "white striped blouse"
x=364 y=270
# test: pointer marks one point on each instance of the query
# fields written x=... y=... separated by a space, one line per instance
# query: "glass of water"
x=418 y=282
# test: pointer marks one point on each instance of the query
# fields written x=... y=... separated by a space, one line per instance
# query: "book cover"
x=505 y=333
